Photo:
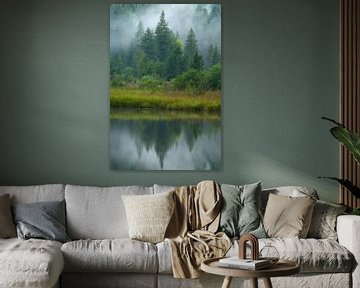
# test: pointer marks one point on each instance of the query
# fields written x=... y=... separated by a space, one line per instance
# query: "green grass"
x=148 y=114
x=209 y=101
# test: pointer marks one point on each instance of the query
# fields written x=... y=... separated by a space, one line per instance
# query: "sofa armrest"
x=348 y=230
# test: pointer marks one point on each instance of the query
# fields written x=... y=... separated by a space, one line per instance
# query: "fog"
x=180 y=18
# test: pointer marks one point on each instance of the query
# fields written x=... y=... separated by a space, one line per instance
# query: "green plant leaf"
x=347 y=184
x=348 y=138
x=355 y=211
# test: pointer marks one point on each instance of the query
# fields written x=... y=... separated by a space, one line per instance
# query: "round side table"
x=281 y=268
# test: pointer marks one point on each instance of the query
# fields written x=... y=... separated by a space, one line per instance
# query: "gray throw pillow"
x=7 y=226
x=240 y=213
x=323 y=222
x=44 y=220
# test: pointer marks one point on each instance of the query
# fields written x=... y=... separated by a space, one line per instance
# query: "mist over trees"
x=150 y=51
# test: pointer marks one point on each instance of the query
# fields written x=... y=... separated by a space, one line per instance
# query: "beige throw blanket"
x=191 y=231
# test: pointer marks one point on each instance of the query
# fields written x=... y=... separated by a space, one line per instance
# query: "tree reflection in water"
x=165 y=144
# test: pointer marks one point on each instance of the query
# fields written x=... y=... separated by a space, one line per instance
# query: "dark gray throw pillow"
x=44 y=220
x=240 y=213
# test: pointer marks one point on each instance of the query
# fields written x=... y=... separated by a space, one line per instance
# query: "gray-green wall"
x=280 y=75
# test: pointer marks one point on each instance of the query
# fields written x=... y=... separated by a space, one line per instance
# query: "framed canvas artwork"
x=165 y=86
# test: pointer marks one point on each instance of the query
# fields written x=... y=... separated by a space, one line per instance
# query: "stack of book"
x=236 y=262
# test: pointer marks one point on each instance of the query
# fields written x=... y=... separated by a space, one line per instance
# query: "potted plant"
x=351 y=141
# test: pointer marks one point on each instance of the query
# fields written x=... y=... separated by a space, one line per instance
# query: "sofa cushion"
x=240 y=210
x=287 y=216
x=30 y=263
x=291 y=191
x=323 y=222
x=313 y=255
x=43 y=220
x=36 y=193
x=163 y=188
x=149 y=215
x=7 y=226
x=98 y=213
x=116 y=255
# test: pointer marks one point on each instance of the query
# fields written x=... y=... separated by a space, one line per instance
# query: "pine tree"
x=163 y=37
x=135 y=45
x=191 y=48
x=175 y=64
x=213 y=56
x=148 y=44
x=197 y=62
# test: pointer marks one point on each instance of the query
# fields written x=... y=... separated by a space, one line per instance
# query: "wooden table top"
x=281 y=268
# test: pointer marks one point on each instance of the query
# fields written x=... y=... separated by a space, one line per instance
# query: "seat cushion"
x=313 y=255
x=30 y=263
x=117 y=255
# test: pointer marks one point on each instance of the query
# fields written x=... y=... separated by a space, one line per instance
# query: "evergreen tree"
x=148 y=44
x=175 y=64
x=163 y=37
x=139 y=35
x=197 y=62
x=215 y=12
x=191 y=48
x=135 y=45
x=213 y=56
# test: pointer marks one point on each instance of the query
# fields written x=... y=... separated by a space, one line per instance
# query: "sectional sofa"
x=100 y=253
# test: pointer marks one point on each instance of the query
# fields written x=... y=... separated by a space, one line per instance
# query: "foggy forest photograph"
x=165 y=86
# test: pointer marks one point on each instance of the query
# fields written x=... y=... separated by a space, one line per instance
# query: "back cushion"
x=36 y=193
x=163 y=188
x=292 y=191
x=98 y=213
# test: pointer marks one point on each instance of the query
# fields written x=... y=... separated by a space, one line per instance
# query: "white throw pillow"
x=149 y=215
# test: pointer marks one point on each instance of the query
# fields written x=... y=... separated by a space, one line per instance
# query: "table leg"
x=227 y=282
x=267 y=283
x=254 y=282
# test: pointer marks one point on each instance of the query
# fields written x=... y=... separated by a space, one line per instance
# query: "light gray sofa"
x=101 y=254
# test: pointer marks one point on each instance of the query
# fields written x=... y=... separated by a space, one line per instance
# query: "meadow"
x=172 y=100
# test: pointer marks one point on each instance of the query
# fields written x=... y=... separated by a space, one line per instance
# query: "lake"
x=155 y=143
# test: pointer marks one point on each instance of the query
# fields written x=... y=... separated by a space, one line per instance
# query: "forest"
x=165 y=66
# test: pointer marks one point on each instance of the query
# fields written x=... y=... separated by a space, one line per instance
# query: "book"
x=236 y=262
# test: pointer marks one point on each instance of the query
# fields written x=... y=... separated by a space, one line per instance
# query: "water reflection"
x=165 y=144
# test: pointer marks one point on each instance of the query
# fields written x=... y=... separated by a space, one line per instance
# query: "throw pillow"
x=323 y=222
x=240 y=213
x=7 y=226
x=44 y=220
x=288 y=217
x=149 y=215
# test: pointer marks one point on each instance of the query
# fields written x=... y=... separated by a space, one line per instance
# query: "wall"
x=280 y=76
